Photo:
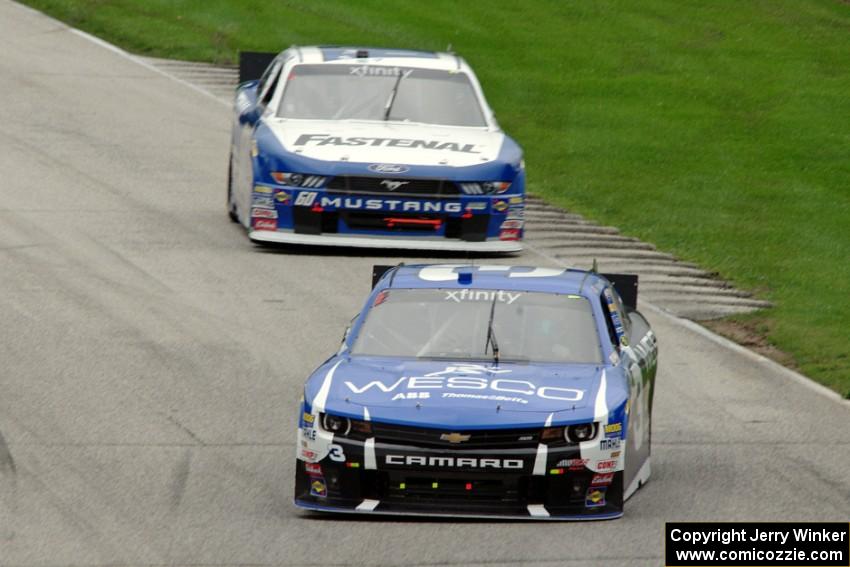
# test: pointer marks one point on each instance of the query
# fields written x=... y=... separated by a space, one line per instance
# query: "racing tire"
x=231 y=206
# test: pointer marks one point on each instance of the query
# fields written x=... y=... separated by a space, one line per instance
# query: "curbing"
x=754 y=356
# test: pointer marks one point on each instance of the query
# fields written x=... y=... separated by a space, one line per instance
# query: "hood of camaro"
x=461 y=395
x=368 y=141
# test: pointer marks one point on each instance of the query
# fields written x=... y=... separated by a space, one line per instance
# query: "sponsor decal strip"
x=499 y=385
x=328 y=140
x=501 y=295
x=331 y=202
x=457 y=462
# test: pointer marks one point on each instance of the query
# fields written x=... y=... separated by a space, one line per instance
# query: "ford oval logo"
x=388 y=168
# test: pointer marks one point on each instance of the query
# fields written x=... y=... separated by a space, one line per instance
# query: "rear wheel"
x=231 y=206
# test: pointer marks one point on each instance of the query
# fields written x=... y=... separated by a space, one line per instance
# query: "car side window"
x=268 y=83
x=615 y=317
x=264 y=78
x=624 y=317
x=609 y=324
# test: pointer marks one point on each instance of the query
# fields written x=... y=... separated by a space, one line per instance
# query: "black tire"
x=231 y=206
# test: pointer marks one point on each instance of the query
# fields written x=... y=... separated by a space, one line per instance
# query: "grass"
x=717 y=130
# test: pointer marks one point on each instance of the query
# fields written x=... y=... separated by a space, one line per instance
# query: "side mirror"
x=348 y=328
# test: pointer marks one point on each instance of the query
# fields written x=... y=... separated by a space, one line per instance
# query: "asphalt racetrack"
x=151 y=359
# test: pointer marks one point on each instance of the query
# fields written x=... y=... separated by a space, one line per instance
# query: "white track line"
x=118 y=51
x=724 y=342
x=772 y=365
x=134 y=59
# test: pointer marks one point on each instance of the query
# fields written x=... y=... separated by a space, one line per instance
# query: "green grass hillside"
x=718 y=130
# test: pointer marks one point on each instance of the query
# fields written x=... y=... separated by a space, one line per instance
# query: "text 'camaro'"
x=483 y=391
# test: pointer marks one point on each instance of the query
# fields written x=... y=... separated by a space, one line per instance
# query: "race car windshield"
x=455 y=324
x=366 y=92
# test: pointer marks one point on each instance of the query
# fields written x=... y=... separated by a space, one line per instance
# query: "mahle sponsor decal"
x=452 y=462
x=411 y=143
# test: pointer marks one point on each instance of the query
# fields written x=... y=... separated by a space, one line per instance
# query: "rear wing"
x=379 y=271
x=252 y=64
x=627 y=286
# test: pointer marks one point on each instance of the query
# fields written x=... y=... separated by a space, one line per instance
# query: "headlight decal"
x=600 y=457
x=322 y=396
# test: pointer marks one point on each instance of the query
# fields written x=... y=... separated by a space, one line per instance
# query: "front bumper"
x=461 y=223
x=384 y=242
x=524 y=483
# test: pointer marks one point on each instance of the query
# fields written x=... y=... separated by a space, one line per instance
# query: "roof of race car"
x=334 y=54
x=527 y=278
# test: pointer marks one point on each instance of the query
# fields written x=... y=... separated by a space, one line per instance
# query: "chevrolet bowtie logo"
x=454 y=437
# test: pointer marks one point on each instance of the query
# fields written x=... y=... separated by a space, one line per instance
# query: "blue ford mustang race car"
x=373 y=148
x=483 y=391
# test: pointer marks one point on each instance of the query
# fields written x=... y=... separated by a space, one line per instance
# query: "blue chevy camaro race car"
x=373 y=148
x=483 y=391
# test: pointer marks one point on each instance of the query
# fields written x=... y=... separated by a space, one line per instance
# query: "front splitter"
x=535 y=512
x=389 y=242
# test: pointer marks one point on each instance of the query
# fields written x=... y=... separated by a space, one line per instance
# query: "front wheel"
x=231 y=206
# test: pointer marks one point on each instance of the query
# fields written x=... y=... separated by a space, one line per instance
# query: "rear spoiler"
x=379 y=271
x=252 y=64
x=627 y=286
